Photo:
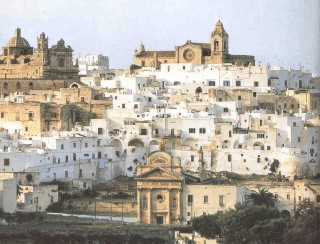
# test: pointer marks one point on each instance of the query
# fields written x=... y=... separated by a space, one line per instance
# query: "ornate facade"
x=159 y=186
x=19 y=60
x=215 y=52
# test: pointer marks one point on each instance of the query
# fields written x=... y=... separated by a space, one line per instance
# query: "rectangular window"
x=2 y=115
x=66 y=174
x=268 y=148
x=86 y=144
x=238 y=83
x=192 y=158
x=239 y=98
x=226 y=83
x=74 y=145
x=260 y=135
x=123 y=106
x=205 y=199
x=288 y=196
x=256 y=84
x=143 y=132
x=67 y=158
x=26 y=129
x=202 y=130
x=80 y=172
x=190 y=200
x=143 y=63
x=299 y=139
x=192 y=130
x=221 y=200
x=188 y=213
x=6 y=161
x=62 y=146
x=82 y=99
x=211 y=83
x=254 y=94
x=36 y=200
x=100 y=131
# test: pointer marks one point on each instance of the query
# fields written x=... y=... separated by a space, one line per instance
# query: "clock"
x=188 y=55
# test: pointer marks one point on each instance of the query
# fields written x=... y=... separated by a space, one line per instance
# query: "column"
x=139 y=204
x=169 y=207
x=179 y=203
x=149 y=220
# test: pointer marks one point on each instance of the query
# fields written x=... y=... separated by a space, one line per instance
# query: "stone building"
x=21 y=61
x=215 y=52
x=159 y=185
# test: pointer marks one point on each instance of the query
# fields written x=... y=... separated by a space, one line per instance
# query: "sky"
x=278 y=32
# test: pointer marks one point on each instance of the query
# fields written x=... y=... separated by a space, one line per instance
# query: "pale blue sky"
x=284 y=32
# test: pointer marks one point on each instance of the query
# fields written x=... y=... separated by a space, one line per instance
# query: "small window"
x=62 y=146
x=26 y=128
x=82 y=99
x=221 y=200
x=190 y=200
x=288 y=196
x=268 y=148
x=212 y=83
x=225 y=110
x=254 y=94
x=256 y=84
x=205 y=199
x=80 y=172
x=226 y=83
x=239 y=98
x=6 y=161
x=229 y=157
x=192 y=158
x=143 y=63
x=123 y=106
x=192 y=130
x=238 y=83
x=74 y=145
x=202 y=130
x=100 y=131
x=66 y=174
x=2 y=115
x=299 y=139
x=86 y=144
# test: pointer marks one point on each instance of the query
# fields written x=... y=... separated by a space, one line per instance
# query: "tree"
x=208 y=225
x=262 y=197
x=239 y=225
x=305 y=227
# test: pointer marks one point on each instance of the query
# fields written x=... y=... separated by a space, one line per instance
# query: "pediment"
x=159 y=174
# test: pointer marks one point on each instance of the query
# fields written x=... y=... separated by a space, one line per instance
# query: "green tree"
x=239 y=225
x=208 y=225
x=305 y=227
x=262 y=197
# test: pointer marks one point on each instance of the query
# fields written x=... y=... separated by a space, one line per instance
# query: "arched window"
x=5 y=85
x=216 y=45
x=18 y=86
x=135 y=106
x=31 y=86
x=61 y=62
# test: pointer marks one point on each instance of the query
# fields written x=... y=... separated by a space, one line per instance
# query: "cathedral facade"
x=215 y=52
x=21 y=61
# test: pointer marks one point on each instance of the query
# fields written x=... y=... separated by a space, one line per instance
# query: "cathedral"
x=215 y=52
x=20 y=60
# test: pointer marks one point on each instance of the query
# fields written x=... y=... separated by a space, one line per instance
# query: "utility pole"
x=95 y=209
x=122 y=210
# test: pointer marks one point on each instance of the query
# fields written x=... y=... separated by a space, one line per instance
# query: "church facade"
x=215 y=52
x=159 y=189
x=21 y=61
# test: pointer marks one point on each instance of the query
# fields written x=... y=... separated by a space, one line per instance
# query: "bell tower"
x=41 y=51
x=219 y=44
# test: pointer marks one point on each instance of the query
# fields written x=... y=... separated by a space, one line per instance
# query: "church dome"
x=17 y=40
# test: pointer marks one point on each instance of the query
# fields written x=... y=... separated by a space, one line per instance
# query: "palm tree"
x=262 y=197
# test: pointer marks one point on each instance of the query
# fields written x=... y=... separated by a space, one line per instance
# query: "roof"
x=159 y=53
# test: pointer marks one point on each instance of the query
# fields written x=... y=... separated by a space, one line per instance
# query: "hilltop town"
x=181 y=133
